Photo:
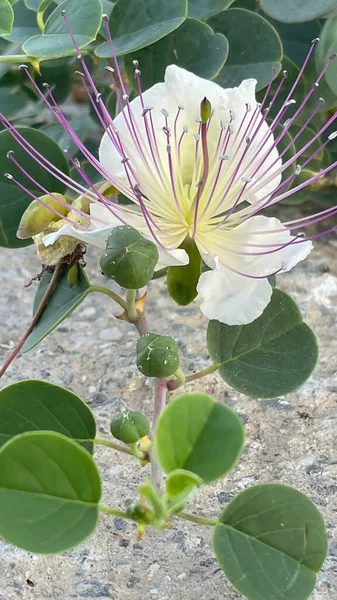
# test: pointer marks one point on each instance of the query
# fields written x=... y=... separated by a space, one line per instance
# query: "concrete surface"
x=290 y=439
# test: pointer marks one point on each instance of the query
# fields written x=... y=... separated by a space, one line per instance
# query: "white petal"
x=172 y=258
x=96 y=237
x=259 y=246
x=232 y=299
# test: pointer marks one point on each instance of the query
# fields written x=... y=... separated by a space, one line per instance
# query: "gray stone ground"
x=93 y=354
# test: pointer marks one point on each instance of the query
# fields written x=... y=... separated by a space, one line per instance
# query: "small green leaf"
x=180 y=480
x=198 y=434
x=134 y=25
x=49 y=492
x=13 y=200
x=289 y=11
x=270 y=542
x=6 y=17
x=193 y=46
x=272 y=356
x=37 y=405
x=65 y=298
x=85 y=20
x=182 y=281
x=248 y=57
x=204 y=9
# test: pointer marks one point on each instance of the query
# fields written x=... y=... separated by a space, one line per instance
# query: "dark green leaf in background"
x=81 y=125
x=49 y=492
x=13 y=200
x=37 y=405
x=193 y=46
x=270 y=542
x=272 y=356
x=136 y=24
x=6 y=17
x=198 y=434
x=85 y=20
x=65 y=298
x=291 y=11
x=12 y=101
x=252 y=55
x=204 y=9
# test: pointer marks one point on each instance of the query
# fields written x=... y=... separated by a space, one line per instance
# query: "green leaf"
x=289 y=11
x=49 y=492
x=193 y=46
x=13 y=200
x=6 y=17
x=204 y=9
x=270 y=542
x=37 y=405
x=65 y=298
x=12 y=101
x=272 y=356
x=180 y=480
x=135 y=24
x=198 y=434
x=85 y=20
x=81 y=125
x=25 y=24
x=248 y=57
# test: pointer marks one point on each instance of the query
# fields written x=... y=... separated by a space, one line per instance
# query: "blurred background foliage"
x=223 y=40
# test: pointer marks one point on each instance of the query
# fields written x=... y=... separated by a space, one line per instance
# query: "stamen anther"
x=164 y=112
x=10 y=153
x=8 y=176
x=332 y=135
x=315 y=40
x=21 y=67
x=110 y=69
x=223 y=157
x=298 y=169
x=105 y=17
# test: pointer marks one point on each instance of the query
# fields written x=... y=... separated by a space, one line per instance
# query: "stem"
x=113 y=445
x=110 y=293
x=142 y=325
x=34 y=320
x=202 y=373
x=160 y=391
x=23 y=58
x=196 y=519
x=113 y=511
x=132 y=313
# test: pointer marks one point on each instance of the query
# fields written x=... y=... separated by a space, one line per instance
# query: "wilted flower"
x=198 y=162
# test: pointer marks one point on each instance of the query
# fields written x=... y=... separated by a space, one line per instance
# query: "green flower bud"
x=138 y=513
x=157 y=355
x=129 y=258
x=129 y=426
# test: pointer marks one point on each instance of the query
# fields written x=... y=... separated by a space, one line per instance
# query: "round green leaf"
x=66 y=296
x=289 y=11
x=6 y=17
x=134 y=25
x=272 y=356
x=49 y=492
x=198 y=434
x=37 y=405
x=270 y=542
x=85 y=20
x=204 y=9
x=193 y=46
x=248 y=57
x=13 y=200
x=25 y=24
